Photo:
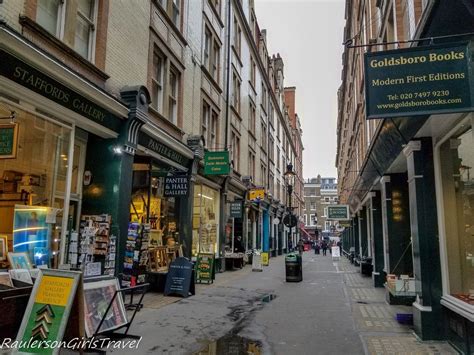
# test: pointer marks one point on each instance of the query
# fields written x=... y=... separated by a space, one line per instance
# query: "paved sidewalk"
x=335 y=310
x=375 y=319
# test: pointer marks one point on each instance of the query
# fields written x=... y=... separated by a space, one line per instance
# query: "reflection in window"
x=457 y=178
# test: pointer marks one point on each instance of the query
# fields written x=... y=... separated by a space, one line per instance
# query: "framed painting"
x=19 y=260
x=9 y=139
x=97 y=296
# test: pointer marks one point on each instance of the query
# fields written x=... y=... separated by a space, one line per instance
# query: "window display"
x=457 y=183
x=205 y=220
x=33 y=175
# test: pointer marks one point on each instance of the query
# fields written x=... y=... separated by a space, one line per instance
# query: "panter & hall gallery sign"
x=419 y=81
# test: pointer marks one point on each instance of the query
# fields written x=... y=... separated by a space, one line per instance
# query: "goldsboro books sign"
x=419 y=81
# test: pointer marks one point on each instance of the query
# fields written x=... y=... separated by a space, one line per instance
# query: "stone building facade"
x=159 y=84
x=405 y=177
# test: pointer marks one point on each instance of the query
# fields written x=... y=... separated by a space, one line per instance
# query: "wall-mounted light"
x=117 y=150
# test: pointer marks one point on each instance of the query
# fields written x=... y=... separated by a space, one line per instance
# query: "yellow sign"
x=54 y=290
x=257 y=194
x=265 y=259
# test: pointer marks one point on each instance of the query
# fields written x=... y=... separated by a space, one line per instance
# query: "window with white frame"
x=311 y=220
x=235 y=153
x=173 y=93
x=305 y=219
x=209 y=125
x=49 y=14
x=157 y=81
x=85 y=28
x=455 y=178
x=236 y=92
x=52 y=15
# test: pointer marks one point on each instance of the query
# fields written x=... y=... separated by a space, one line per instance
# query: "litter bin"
x=294 y=268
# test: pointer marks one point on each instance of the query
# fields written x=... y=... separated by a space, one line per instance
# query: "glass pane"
x=86 y=7
x=47 y=14
x=28 y=184
x=81 y=39
x=205 y=220
x=457 y=162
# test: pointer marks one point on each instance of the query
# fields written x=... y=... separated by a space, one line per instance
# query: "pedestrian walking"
x=325 y=247
x=300 y=246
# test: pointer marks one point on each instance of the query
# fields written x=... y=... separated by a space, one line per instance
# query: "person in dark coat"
x=325 y=247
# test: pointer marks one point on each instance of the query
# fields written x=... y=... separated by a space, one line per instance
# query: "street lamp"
x=290 y=181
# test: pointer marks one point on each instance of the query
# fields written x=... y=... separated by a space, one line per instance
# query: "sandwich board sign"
x=46 y=318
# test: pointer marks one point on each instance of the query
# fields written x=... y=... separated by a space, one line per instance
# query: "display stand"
x=115 y=334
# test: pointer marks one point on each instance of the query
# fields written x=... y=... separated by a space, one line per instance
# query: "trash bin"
x=294 y=268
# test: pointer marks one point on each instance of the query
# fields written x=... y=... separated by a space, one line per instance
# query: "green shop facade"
x=413 y=205
x=79 y=148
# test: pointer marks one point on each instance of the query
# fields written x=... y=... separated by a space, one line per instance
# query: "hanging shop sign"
x=47 y=314
x=176 y=186
x=338 y=213
x=419 y=81
x=8 y=140
x=236 y=209
x=31 y=78
x=216 y=163
x=155 y=146
x=257 y=194
x=205 y=268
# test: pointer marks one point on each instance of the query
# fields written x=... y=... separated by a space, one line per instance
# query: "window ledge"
x=170 y=22
x=211 y=79
x=166 y=122
x=458 y=307
x=51 y=39
x=237 y=114
x=237 y=55
x=217 y=14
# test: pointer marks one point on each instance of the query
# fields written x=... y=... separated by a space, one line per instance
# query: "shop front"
x=454 y=160
x=234 y=231
x=205 y=218
x=50 y=120
x=159 y=208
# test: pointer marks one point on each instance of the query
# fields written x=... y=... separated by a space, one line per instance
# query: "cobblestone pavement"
x=335 y=310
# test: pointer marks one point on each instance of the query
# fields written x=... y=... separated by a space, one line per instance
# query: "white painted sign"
x=257 y=263
x=335 y=252
x=93 y=269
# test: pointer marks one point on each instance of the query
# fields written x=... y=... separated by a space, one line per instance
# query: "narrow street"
x=334 y=310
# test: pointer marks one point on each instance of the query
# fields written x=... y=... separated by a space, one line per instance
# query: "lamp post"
x=290 y=180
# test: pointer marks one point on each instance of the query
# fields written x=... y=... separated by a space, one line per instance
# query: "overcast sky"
x=308 y=36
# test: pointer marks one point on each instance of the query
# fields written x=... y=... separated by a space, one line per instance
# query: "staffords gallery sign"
x=419 y=81
x=33 y=79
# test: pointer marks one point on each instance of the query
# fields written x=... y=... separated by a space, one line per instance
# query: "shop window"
x=205 y=220
x=149 y=205
x=33 y=183
x=456 y=157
